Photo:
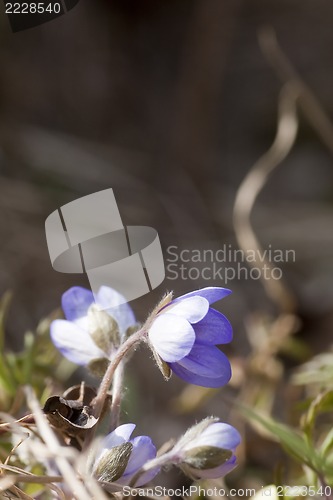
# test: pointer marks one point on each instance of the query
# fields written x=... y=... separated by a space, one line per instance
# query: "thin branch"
x=117 y=392
x=49 y=438
x=99 y=400
x=255 y=181
x=306 y=100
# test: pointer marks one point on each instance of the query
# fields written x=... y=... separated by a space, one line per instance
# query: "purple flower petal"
x=171 y=336
x=206 y=361
x=74 y=343
x=193 y=308
x=115 y=304
x=218 y=434
x=143 y=450
x=213 y=329
x=211 y=293
x=75 y=302
x=119 y=436
x=148 y=476
x=213 y=370
x=194 y=379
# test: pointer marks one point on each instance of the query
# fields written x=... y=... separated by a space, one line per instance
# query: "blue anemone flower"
x=214 y=437
x=73 y=336
x=111 y=464
x=185 y=334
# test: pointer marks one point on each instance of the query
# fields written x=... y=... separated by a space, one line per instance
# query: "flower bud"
x=207 y=457
x=103 y=329
x=120 y=459
x=112 y=464
x=207 y=449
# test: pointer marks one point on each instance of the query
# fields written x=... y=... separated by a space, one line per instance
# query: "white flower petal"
x=171 y=336
x=83 y=322
x=193 y=308
x=120 y=435
x=74 y=343
x=217 y=434
x=116 y=306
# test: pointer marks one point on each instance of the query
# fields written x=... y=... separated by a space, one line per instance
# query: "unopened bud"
x=206 y=457
x=206 y=450
x=112 y=464
x=104 y=329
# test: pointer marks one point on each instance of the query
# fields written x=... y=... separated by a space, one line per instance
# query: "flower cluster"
x=184 y=335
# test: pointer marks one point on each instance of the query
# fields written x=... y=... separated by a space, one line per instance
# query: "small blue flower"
x=112 y=464
x=185 y=334
x=73 y=336
x=217 y=440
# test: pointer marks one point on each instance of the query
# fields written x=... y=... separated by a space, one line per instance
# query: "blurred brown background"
x=170 y=103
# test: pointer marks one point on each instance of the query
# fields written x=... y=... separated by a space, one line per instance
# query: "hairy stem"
x=117 y=391
x=99 y=400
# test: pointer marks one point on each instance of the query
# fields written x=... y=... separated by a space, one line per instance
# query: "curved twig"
x=253 y=183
